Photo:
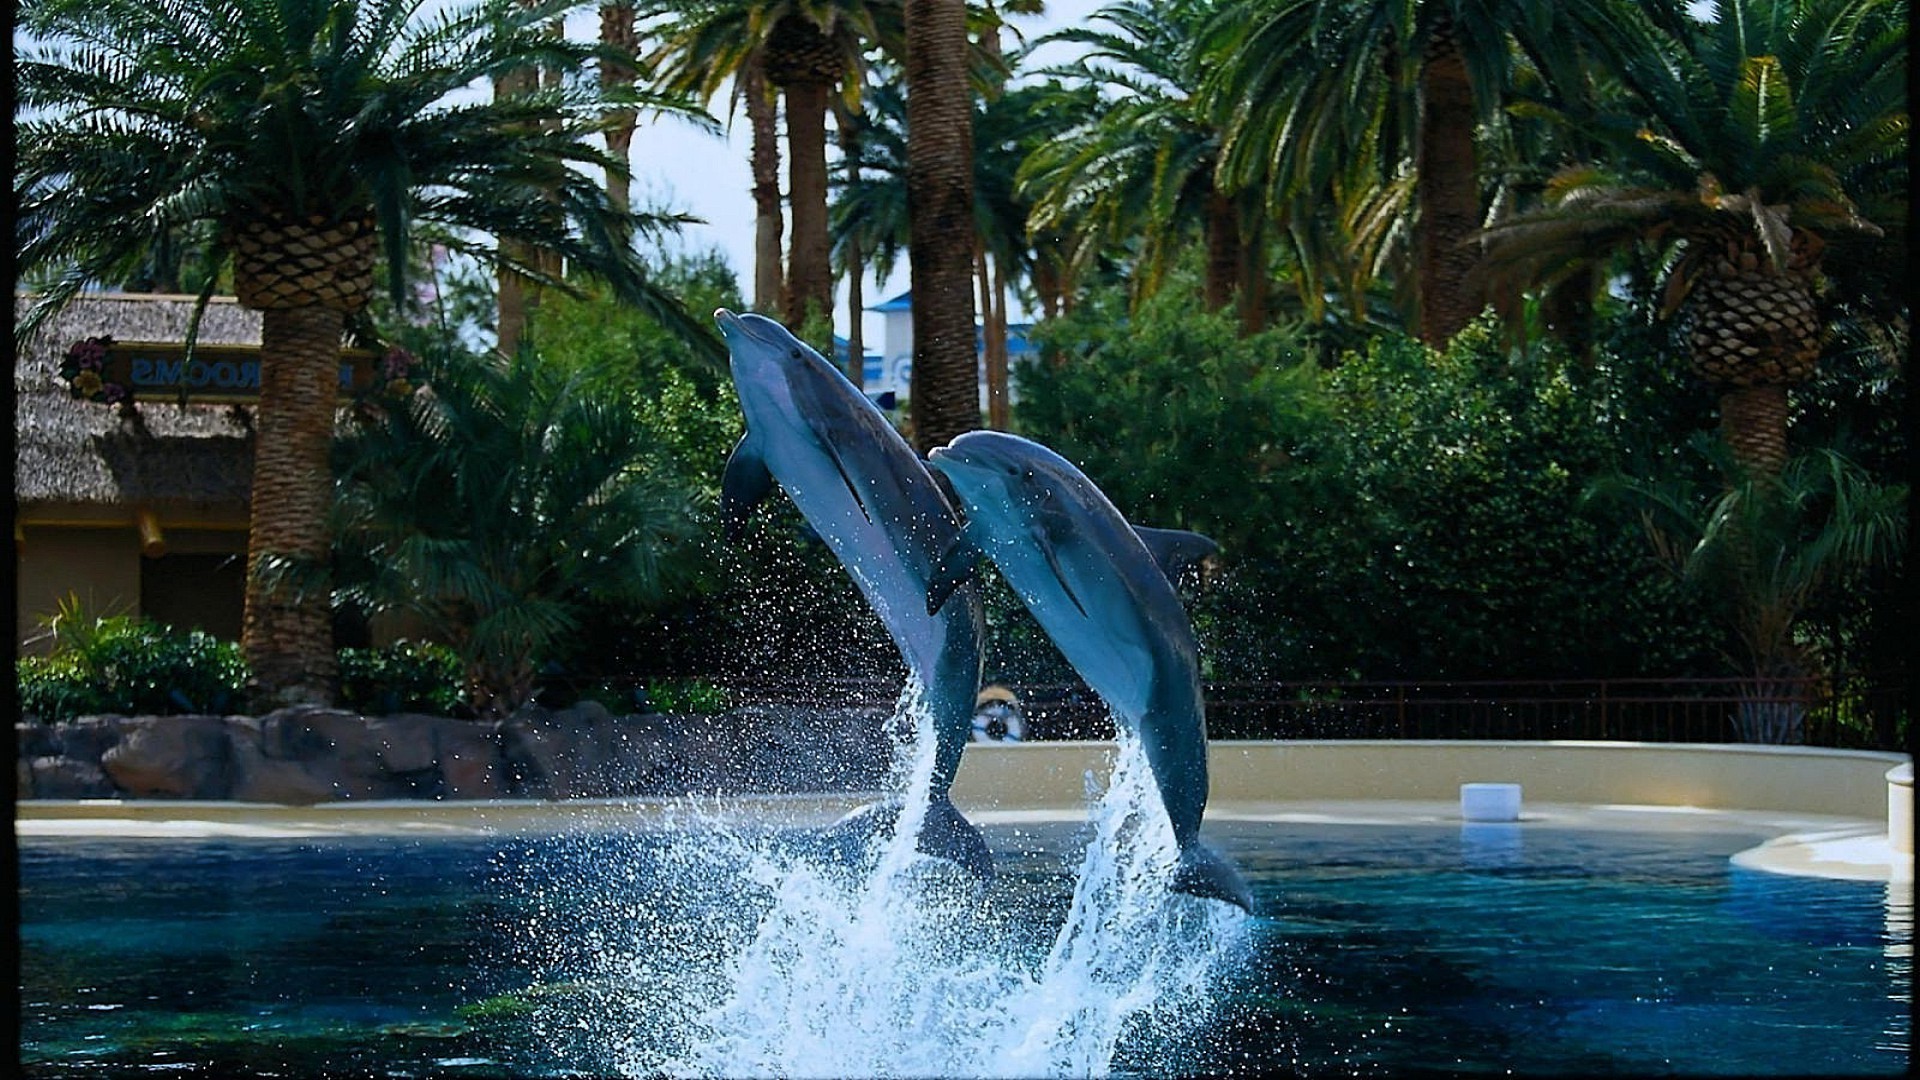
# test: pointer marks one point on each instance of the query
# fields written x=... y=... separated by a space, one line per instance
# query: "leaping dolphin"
x=871 y=498
x=1103 y=592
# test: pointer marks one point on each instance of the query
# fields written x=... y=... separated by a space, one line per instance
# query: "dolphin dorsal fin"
x=956 y=565
x=744 y=484
x=1175 y=549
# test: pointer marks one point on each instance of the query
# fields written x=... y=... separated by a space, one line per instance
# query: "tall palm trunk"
x=1446 y=189
x=304 y=277
x=856 y=265
x=514 y=291
x=809 y=270
x=1250 y=275
x=993 y=335
x=801 y=59
x=946 y=388
x=768 y=217
x=617 y=30
x=1223 y=250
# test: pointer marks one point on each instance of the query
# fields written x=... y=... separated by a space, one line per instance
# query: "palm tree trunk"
x=616 y=30
x=856 y=266
x=1223 y=250
x=1250 y=275
x=999 y=375
x=993 y=339
x=514 y=291
x=809 y=272
x=946 y=393
x=768 y=220
x=1446 y=190
x=287 y=635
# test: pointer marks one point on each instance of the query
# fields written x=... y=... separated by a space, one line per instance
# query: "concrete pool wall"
x=1811 y=780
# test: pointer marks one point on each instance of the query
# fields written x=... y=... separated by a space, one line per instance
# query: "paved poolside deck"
x=1826 y=810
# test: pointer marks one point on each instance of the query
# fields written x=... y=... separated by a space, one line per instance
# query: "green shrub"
x=685 y=696
x=128 y=665
x=406 y=676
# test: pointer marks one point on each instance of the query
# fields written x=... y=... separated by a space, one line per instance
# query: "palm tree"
x=806 y=49
x=1762 y=550
x=1747 y=147
x=698 y=49
x=946 y=384
x=318 y=137
x=1143 y=168
x=1312 y=84
x=498 y=508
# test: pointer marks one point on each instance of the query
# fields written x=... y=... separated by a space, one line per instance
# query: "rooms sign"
x=218 y=374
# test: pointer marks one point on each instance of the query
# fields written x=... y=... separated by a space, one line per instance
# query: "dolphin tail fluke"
x=944 y=834
x=1205 y=872
x=947 y=835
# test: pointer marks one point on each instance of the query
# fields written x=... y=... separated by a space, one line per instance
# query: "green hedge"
x=407 y=676
x=126 y=665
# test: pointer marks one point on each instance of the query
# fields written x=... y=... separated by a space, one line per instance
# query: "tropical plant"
x=1142 y=167
x=1307 y=89
x=126 y=665
x=1760 y=549
x=1401 y=514
x=316 y=138
x=1745 y=146
x=498 y=508
x=807 y=50
x=404 y=676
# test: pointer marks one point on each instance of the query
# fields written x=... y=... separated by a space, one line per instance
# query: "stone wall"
x=305 y=755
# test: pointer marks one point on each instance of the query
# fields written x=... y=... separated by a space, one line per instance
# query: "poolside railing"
x=1859 y=714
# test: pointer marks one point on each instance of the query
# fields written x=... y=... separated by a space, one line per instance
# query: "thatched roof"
x=76 y=453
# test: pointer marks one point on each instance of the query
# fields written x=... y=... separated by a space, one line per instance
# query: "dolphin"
x=1103 y=591
x=870 y=497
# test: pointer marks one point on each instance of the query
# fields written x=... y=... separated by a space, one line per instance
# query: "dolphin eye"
x=796 y=354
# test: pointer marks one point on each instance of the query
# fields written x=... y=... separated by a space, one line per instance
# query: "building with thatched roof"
x=138 y=509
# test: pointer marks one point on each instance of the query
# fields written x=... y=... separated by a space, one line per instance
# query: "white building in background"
x=892 y=371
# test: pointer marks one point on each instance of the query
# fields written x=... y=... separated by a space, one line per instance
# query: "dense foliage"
x=404 y=677
x=1405 y=513
x=125 y=665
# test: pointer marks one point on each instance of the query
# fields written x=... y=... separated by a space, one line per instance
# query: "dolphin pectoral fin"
x=954 y=567
x=1206 y=873
x=1176 y=549
x=833 y=454
x=1060 y=575
x=745 y=482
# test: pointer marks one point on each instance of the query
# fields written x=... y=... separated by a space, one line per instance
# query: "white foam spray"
x=904 y=966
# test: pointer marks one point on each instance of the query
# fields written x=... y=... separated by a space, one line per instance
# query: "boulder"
x=339 y=751
x=170 y=757
x=65 y=778
x=88 y=738
x=441 y=757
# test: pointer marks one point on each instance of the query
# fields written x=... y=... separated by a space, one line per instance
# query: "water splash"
x=776 y=962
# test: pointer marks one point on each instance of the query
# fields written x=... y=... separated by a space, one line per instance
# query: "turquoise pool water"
x=1377 y=951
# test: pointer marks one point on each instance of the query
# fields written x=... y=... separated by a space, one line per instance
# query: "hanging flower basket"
x=84 y=368
x=395 y=381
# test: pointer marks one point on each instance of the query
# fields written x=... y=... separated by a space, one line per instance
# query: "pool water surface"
x=1376 y=950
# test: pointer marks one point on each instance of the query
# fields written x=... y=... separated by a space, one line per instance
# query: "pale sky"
x=680 y=167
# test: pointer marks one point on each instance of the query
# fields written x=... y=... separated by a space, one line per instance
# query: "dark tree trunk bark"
x=809 y=272
x=1223 y=250
x=287 y=635
x=769 y=219
x=946 y=391
x=1446 y=191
